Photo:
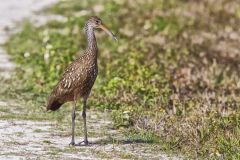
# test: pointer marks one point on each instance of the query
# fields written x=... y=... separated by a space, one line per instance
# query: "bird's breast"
x=93 y=71
x=90 y=72
x=89 y=79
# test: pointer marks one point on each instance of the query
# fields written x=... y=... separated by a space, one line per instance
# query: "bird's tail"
x=53 y=104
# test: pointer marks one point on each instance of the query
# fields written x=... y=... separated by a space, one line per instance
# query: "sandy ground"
x=24 y=139
x=11 y=13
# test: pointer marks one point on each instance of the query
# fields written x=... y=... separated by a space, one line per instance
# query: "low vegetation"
x=172 y=78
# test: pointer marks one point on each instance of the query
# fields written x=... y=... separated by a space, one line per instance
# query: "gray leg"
x=73 y=123
x=85 y=121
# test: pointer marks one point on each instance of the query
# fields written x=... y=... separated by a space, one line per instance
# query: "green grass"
x=166 y=78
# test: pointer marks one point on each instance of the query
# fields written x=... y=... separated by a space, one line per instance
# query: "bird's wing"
x=73 y=75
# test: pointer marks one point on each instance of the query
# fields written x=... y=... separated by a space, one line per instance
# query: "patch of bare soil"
x=22 y=139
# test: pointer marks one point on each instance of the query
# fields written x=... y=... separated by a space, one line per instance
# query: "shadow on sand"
x=110 y=140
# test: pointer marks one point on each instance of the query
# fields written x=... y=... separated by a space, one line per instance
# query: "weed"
x=173 y=76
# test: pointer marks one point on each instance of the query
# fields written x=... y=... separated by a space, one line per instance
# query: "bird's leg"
x=85 y=141
x=73 y=122
x=85 y=121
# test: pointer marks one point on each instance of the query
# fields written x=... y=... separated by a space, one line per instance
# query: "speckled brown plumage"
x=79 y=77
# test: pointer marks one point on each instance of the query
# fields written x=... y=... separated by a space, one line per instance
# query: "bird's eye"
x=97 y=21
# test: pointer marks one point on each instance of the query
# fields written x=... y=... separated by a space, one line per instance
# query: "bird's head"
x=96 y=22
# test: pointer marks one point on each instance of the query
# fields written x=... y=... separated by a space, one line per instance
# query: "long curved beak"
x=105 y=28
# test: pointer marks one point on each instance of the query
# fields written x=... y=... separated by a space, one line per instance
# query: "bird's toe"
x=72 y=143
x=83 y=143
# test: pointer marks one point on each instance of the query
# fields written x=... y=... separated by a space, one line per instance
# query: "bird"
x=78 y=78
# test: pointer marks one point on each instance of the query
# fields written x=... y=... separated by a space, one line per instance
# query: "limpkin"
x=78 y=78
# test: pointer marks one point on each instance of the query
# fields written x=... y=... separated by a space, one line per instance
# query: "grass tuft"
x=173 y=77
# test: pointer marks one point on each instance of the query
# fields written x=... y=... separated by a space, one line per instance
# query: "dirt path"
x=26 y=139
x=11 y=12
x=31 y=140
x=21 y=139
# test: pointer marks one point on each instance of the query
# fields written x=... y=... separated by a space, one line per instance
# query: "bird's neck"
x=92 y=48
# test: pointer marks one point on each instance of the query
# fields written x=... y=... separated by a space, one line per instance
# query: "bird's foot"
x=83 y=143
x=72 y=143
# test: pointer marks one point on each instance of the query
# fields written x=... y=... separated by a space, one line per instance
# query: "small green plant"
x=166 y=78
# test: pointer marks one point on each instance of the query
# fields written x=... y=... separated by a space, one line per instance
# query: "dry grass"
x=174 y=72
